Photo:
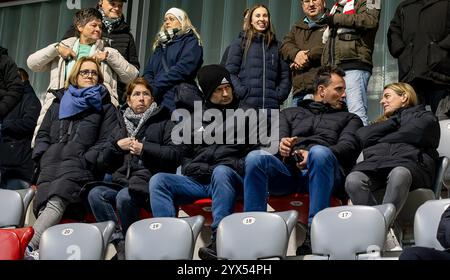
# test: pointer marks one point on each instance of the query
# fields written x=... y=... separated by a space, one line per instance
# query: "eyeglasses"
x=141 y=93
x=87 y=73
x=307 y=2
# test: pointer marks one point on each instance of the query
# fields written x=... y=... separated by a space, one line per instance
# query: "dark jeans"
x=103 y=199
x=423 y=253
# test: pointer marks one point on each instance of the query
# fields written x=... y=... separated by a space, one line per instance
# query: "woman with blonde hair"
x=399 y=150
x=177 y=56
x=260 y=76
x=69 y=144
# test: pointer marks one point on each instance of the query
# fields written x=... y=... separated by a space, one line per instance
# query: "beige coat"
x=48 y=59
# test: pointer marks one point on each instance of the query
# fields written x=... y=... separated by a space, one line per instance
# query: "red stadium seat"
x=13 y=242
x=299 y=202
x=203 y=207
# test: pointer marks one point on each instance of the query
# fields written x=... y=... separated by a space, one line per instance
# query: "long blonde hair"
x=186 y=25
x=250 y=31
x=401 y=89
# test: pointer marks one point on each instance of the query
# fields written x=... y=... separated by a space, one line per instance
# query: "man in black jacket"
x=318 y=148
x=419 y=38
x=15 y=143
x=11 y=87
x=213 y=170
x=443 y=236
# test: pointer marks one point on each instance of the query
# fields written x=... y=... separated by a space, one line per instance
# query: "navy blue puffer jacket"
x=263 y=80
x=184 y=56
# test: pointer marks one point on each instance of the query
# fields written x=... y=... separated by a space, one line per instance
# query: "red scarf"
x=349 y=7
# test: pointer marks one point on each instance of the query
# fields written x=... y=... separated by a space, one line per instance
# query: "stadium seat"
x=444 y=150
x=75 y=241
x=11 y=209
x=255 y=235
x=426 y=223
x=203 y=207
x=348 y=233
x=163 y=238
x=298 y=202
x=13 y=242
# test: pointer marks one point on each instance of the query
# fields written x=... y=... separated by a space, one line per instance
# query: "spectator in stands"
x=15 y=142
x=59 y=58
x=419 y=38
x=399 y=150
x=349 y=43
x=69 y=144
x=140 y=147
x=224 y=59
x=424 y=253
x=302 y=48
x=260 y=77
x=116 y=34
x=177 y=56
x=11 y=88
x=318 y=148
x=212 y=170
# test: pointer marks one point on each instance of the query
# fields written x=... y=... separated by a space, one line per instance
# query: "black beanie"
x=210 y=77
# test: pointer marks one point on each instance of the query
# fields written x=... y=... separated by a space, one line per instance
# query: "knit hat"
x=212 y=76
x=178 y=13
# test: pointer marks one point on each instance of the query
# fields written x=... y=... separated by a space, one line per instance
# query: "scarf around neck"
x=109 y=23
x=134 y=122
x=75 y=100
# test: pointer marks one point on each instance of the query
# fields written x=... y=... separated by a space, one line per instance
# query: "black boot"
x=305 y=248
x=209 y=252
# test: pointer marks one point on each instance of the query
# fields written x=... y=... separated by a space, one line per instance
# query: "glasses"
x=141 y=93
x=87 y=73
x=307 y=2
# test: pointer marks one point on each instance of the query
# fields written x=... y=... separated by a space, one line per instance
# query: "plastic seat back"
x=13 y=242
x=162 y=238
x=343 y=233
x=444 y=149
x=11 y=209
x=73 y=241
x=254 y=235
x=426 y=223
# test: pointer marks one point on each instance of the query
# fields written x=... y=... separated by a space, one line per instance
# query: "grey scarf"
x=134 y=122
x=109 y=23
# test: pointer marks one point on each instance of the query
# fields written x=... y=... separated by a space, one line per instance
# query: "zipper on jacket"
x=332 y=45
x=264 y=74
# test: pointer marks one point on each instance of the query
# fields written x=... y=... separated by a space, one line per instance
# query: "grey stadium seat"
x=163 y=238
x=348 y=232
x=11 y=209
x=255 y=235
x=426 y=223
x=75 y=241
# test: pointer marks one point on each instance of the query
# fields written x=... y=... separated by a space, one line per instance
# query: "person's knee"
x=123 y=198
x=401 y=172
x=353 y=182
x=157 y=183
x=320 y=154
x=255 y=158
x=95 y=195
x=221 y=172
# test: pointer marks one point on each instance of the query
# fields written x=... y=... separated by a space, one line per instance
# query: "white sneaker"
x=31 y=254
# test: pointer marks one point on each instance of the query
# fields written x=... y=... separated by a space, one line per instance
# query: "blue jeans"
x=265 y=174
x=169 y=190
x=103 y=199
x=356 y=82
x=15 y=184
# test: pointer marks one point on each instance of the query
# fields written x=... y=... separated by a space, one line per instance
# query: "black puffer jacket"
x=16 y=134
x=316 y=123
x=201 y=159
x=11 y=87
x=159 y=153
x=419 y=37
x=409 y=138
x=443 y=234
x=69 y=151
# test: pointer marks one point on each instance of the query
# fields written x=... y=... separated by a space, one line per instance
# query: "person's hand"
x=301 y=59
x=286 y=145
x=101 y=56
x=302 y=165
x=65 y=52
x=125 y=143
x=136 y=147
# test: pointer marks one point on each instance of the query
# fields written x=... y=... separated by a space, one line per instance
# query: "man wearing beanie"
x=211 y=170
